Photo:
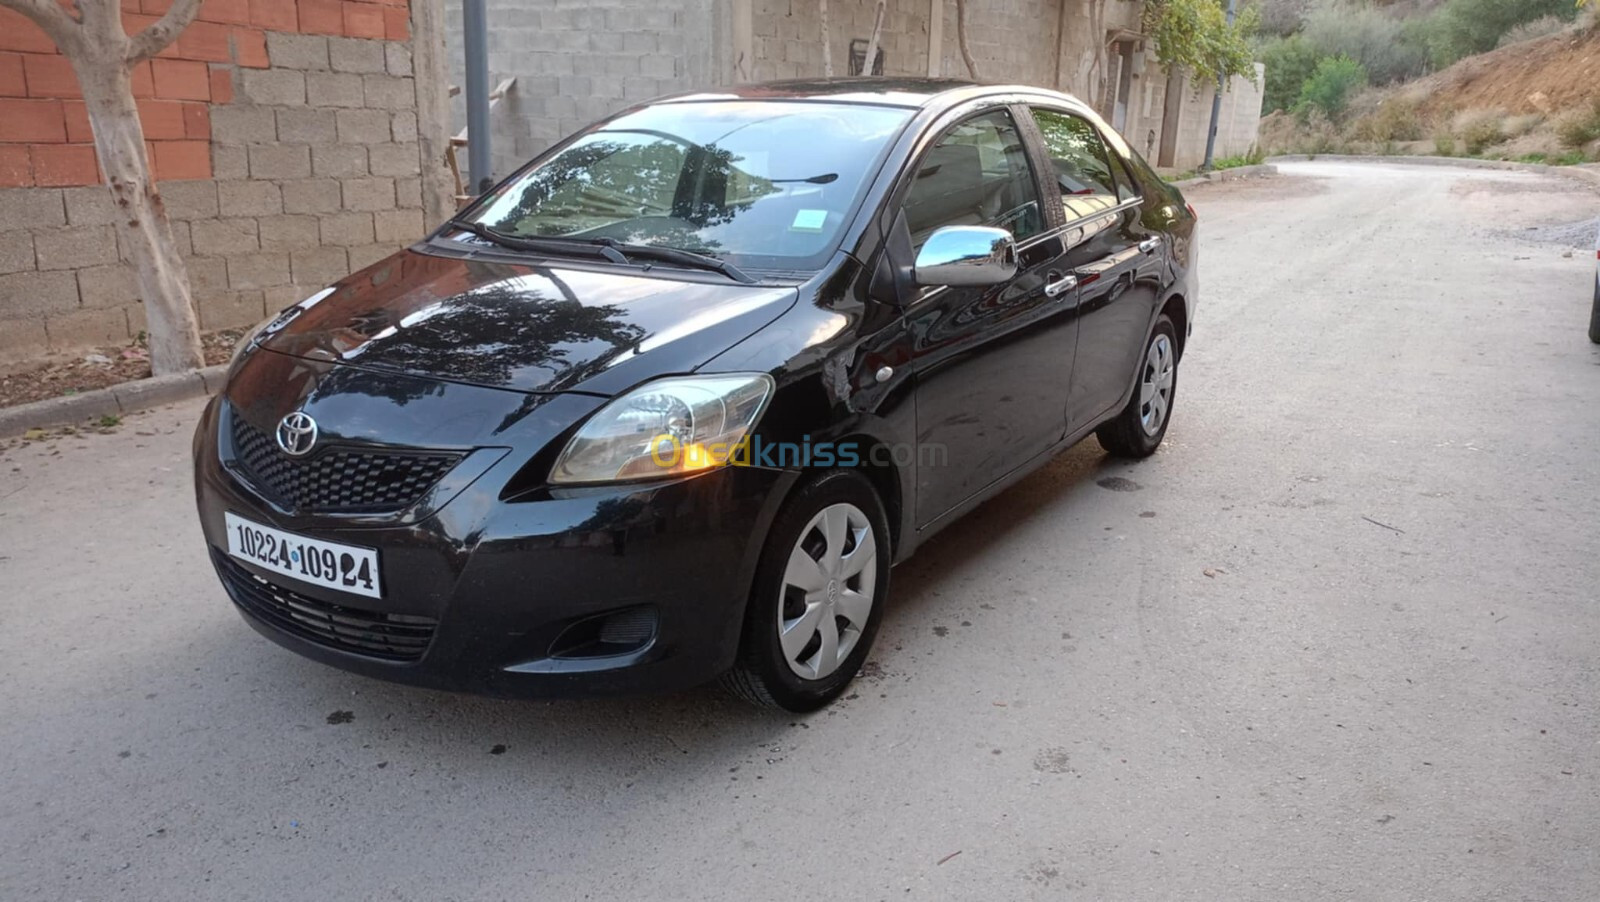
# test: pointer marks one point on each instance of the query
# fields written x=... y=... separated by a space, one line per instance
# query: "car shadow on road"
x=997 y=520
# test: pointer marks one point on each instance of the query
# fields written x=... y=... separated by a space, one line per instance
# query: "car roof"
x=901 y=92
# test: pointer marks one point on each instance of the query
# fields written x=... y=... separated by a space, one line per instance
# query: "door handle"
x=1149 y=245
x=1056 y=284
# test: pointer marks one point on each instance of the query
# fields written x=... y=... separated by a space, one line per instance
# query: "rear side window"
x=1127 y=187
x=1082 y=166
x=978 y=174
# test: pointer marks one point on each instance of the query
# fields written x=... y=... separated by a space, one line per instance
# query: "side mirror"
x=966 y=256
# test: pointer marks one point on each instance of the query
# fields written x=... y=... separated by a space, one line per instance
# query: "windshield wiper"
x=675 y=255
x=539 y=245
x=608 y=248
x=823 y=179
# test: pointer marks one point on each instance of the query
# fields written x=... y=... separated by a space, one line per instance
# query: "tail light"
x=1192 y=213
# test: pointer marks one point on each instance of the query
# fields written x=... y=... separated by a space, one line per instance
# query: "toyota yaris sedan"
x=667 y=404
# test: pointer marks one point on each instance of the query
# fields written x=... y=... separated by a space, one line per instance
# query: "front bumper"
x=509 y=584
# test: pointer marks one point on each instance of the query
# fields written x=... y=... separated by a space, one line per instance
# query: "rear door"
x=1115 y=258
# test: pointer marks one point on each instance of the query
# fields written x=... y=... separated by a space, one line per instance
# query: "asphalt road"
x=1338 y=640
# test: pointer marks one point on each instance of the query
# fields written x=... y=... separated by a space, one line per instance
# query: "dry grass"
x=1579 y=127
x=1393 y=122
x=1542 y=75
x=1479 y=130
x=1394 y=119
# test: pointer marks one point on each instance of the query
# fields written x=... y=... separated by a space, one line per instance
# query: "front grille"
x=338 y=479
x=392 y=637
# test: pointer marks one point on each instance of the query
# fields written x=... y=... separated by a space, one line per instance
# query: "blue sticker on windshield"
x=809 y=220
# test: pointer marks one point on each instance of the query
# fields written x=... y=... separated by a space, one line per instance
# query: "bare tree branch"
x=872 y=45
x=961 y=39
x=827 y=45
x=1061 y=40
x=49 y=16
x=1097 y=73
x=163 y=31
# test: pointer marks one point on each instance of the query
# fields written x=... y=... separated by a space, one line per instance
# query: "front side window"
x=765 y=184
x=1082 y=166
x=978 y=174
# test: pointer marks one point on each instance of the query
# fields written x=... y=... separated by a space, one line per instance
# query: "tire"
x=832 y=518
x=1594 y=314
x=1137 y=431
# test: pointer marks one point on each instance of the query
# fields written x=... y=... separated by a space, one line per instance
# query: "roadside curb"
x=115 y=400
x=1229 y=175
x=1579 y=173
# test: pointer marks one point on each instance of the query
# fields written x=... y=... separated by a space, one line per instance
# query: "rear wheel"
x=818 y=596
x=1137 y=431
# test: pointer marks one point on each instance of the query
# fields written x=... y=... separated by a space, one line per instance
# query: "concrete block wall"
x=579 y=62
x=788 y=37
x=1238 y=126
x=284 y=137
x=575 y=63
x=1012 y=41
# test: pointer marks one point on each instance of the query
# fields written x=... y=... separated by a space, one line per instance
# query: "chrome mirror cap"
x=965 y=256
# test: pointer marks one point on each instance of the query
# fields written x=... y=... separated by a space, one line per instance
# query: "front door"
x=991 y=363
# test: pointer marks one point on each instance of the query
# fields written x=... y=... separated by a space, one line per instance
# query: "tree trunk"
x=1061 y=40
x=89 y=33
x=1097 y=68
x=961 y=40
x=827 y=44
x=141 y=217
x=872 y=43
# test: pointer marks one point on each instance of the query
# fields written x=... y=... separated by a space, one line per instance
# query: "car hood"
x=526 y=328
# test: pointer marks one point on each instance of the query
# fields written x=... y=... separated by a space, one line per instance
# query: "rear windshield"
x=765 y=185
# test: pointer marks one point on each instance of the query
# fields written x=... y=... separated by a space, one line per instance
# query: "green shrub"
x=1330 y=86
x=1444 y=144
x=1481 y=132
x=1283 y=17
x=1367 y=35
x=1289 y=62
x=1578 y=127
x=1396 y=119
x=1528 y=31
x=1253 y=157
x=1320 y=135
x=1462 y=28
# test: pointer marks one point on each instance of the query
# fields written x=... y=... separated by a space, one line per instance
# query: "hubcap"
x=1155 y=389
x=828 y=590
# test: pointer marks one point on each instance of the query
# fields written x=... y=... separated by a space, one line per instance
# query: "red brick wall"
x=44 y=132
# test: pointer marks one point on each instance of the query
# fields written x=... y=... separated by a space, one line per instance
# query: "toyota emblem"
x=297 y=434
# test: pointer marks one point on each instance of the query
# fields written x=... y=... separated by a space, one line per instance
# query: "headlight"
x=677 y=425
x=272 y=324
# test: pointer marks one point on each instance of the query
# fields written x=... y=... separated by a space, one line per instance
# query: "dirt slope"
x=1546 y=75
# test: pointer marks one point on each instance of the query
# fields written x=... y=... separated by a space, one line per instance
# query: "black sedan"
x=666 y=404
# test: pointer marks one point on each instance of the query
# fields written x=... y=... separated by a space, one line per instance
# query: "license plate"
x=348 y=568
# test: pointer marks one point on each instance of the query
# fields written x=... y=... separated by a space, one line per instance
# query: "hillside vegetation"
x=1516 y=79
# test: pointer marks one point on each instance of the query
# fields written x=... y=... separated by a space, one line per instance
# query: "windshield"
x=766 y=185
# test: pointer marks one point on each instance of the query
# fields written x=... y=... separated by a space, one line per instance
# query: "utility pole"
x=475 y=40
x=1216 y=105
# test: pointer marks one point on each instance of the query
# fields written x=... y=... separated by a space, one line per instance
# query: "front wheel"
x=818 y=596
x=1137 y=431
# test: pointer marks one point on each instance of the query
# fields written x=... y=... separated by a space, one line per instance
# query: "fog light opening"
x=606 y=635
